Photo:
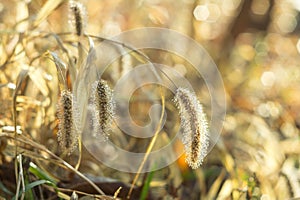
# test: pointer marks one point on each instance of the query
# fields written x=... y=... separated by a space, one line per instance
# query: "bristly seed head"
x=77 y=16
x=194 y=125
x=67 y=135
x=104 y=106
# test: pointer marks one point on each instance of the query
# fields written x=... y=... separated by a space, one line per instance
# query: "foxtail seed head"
x=103 y=104
x=77 y=16
x=67 y=134
x=194 y=125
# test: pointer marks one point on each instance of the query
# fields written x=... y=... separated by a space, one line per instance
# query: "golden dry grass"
x=257 y=155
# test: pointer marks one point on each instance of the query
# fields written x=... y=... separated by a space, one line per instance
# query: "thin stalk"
x=151 y=145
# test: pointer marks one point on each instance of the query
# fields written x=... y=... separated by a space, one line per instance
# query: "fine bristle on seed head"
x=77 y=16
x=194 y=126
x=67 y=134
x=103 y=104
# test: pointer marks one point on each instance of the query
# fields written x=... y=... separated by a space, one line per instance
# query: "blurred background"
x=255 y=45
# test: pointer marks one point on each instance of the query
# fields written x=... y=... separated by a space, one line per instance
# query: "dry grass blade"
x=117 y=192
x=216 y=186
x=22 y=75
x=46 y=10
x=20 y=180
x=61 y=69
x=58 y=61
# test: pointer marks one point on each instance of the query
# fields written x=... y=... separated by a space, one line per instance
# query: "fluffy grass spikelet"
x=77 y=16
x=67 y=134
x=194 y=126
x=103 y=106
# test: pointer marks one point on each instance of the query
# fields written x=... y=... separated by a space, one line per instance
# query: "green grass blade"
x=34 y=184
x=38 y=172
x=4 y=189
x=146 y=186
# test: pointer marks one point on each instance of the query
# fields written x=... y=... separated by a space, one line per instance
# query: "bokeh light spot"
x=260 y=7
x=268 y=79
x=207 y=12
x=286 y=22
x=201 y=13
